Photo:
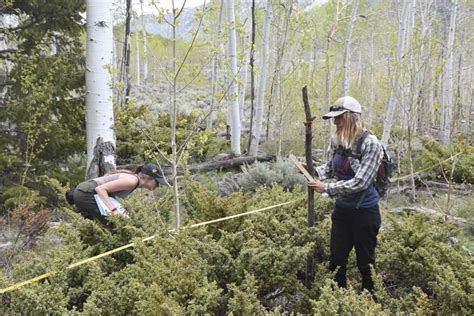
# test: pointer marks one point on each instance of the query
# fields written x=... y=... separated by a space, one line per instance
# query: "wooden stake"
x=309 y=164
x=301 y=168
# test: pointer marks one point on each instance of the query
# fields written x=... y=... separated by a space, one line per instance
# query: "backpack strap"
x=360 y=141
x=136 y=186
x=358 y=155
x=138 y=183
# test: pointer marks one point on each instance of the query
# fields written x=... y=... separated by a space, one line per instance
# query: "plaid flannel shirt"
x=365 y=170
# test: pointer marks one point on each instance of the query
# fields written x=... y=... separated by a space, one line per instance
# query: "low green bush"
x=248 y=265
x=282 y=172
x=434 y=155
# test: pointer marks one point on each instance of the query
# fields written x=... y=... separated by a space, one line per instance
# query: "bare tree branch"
x=193 y=40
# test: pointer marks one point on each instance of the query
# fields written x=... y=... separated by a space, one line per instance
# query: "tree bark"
x=174 y=118
x=448 y=80
x=347 y=48
x=137 y=53
x=275 y=90
x=252 y=74
x=246 y=47
x=233 y=102
x=214 y=63
x=255 y=135
x=329 y=39
x=145 y=44
x=125 y=73
x=99 y=106
x=395 y=78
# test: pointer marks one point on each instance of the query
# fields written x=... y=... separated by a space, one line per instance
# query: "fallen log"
x=430 y=185
x=461 y=188
x=428 y=211
x=224 y=163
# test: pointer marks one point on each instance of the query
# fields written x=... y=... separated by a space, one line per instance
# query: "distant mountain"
x=188 y=22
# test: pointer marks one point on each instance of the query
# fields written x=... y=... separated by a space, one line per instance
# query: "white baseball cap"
x=343 y=105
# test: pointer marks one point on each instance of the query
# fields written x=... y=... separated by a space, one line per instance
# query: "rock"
x=7 y=245
x=228 y=184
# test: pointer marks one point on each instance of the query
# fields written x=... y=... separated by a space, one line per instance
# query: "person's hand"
x=121 y=211
x=317 y=186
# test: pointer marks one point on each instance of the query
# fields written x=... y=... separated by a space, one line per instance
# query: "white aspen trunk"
x=233 y=105
x=125 y=65
x=115 y=62
x=99 y=106
x=262 y=82
x=393 y=95
x=431 y=99
x=145 y=56
x=244 y=72
x=347 y=48
x=276 y=82
x=372 y=78
x=174 y=117
x=137 y=53
x=214 y=81
x=359 y=71
x=424 y=76
x=252 y=70
x=407 y=84
x=469 y=106
x=458 y=115
x=273 y=92
x=329 y=39
x=244 y=69
x=410 y=93
x=448 y=81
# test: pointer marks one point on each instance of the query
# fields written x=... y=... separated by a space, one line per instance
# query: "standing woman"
x=121 y=184
x=356 y=217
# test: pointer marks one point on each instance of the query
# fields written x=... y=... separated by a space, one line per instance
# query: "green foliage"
x=130 y=140
x=461 y=169
x=417 y=252
x=43 y=119
x=142 y=136
x=283 y=173
x=247 y=265
x=15 y=195
x=243 y=299
x=339 y=301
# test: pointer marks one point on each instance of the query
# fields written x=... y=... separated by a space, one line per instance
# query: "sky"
x=166 y=4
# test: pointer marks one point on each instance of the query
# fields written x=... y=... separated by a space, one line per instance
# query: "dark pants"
x=354 y=228
x=85 y=201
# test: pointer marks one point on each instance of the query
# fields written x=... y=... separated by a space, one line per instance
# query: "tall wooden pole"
x=309 y=163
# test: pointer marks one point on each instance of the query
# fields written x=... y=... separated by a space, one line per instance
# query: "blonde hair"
x=353 y=126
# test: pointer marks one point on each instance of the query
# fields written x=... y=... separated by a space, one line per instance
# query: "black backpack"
x=384 y=172
x=70 y=195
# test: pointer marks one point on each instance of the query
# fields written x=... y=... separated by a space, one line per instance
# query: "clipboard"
x=301 y=168
x=104 y=210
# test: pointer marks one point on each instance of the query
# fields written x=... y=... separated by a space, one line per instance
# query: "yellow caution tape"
x=107 y=253
x=91 y=259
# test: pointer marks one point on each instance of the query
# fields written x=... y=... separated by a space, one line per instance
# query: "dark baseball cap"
x=154 y=171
